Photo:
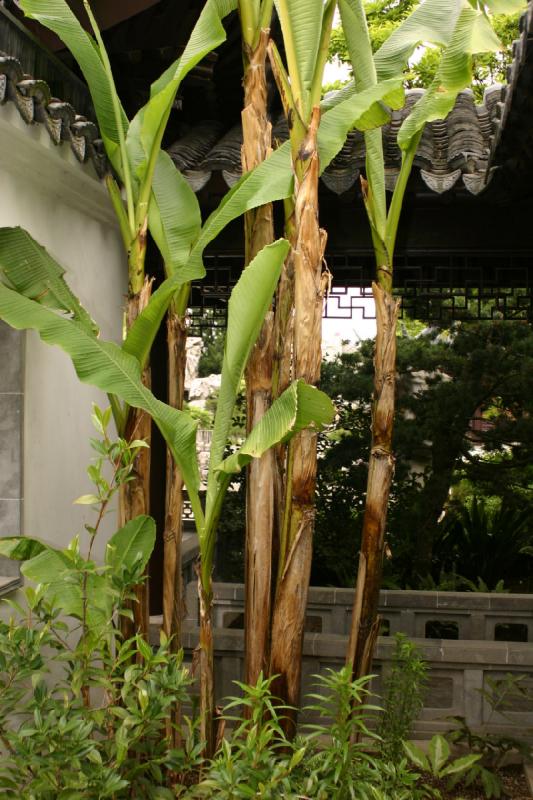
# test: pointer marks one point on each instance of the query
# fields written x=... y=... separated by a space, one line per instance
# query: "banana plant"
x=460 y=28
x=156 y=195
x=306 y=28
x=115 y=371
x=261 y=484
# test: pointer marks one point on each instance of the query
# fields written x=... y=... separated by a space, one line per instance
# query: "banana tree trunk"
x=259 y=231
x=172 y=577
x=365 y=620
x=206 y=667
x=308 y=246
x=134 y=496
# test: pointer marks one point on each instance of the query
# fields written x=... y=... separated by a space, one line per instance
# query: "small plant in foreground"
x=404 y=697
x=83 y=712
x=257 y=760
x=438 y=762
x=493 y=748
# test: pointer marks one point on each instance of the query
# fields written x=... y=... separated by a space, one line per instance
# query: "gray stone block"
x=463 y=601
x=399 y=598
x=508 y=603
x=10 y=446
x=439 y=692
x=473 y=699
x=521 y=654
x=11 y=344
x=10 y=517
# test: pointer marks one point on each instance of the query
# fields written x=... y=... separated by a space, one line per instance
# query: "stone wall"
x=45 y=422
x=459 y=668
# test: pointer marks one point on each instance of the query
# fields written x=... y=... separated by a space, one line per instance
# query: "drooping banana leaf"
x=106 y=366
x=31 y=271
x=364 y=111
x=472 y=34
x=300 y=406
x=432 y=22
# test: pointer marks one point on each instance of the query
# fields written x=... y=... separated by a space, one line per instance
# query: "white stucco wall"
x=45 y=190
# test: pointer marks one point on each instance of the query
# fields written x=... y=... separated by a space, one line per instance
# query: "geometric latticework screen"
x=433 y=286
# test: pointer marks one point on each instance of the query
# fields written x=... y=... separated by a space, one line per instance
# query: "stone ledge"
x=9 y=584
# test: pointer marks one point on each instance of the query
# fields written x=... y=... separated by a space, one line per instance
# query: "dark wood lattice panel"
x=433 y=286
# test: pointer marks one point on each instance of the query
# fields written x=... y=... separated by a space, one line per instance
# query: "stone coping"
x=400 y=598
x=333 y=646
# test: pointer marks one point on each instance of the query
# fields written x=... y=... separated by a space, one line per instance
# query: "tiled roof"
x=35 y=104
x=451 y=151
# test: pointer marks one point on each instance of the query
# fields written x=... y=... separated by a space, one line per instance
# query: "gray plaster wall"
x=45 y=411
x=11 y=424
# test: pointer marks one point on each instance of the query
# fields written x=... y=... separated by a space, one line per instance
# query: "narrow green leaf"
x=416 y=755
x=141 y=335
x=439 y=752
x=174 y=215
x=208 y=34
x=247 y=308
x=460 y=765
x=301 y=25
x=354 y=24
x=272 y=180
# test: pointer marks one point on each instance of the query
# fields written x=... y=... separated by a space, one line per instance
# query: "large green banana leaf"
x=31 y=271
x=355 y=27
x=174 y=218
x=59 y=18
x=472 y=34
x=247 y=308
x=300 y=406
x=432 y=22
x=106 y=366
x=208 y=33
x=301 y=25
x=273 y=179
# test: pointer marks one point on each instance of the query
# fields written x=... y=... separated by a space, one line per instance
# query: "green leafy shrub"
x=492 y=748
x=404 y=697
x=83 y=712
x=438 y=762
